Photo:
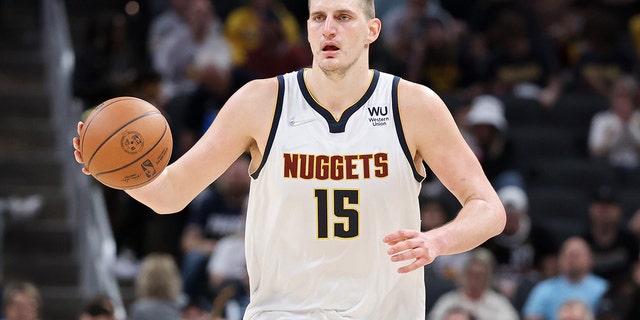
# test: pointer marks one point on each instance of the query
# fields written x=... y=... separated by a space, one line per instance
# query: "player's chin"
x=330 y=65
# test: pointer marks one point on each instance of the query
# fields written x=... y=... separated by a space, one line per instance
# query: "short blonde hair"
x=369 y=8
x=159 y=277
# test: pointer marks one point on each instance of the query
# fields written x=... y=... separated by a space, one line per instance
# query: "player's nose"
x=329 y=29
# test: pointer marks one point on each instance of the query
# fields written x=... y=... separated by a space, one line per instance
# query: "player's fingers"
x=416 y=264
x=78 y=156
x=86 y=171
x=80 y=125
x=401 y=246
x=400 y=235
x=76 y=143
x=405 y=250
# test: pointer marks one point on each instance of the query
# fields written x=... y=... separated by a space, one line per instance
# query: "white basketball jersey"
x=326 y=193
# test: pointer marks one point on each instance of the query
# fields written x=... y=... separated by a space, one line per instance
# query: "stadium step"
x=41 y=248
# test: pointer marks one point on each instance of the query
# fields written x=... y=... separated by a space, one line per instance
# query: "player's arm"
x=433 y=136
x=241 y=125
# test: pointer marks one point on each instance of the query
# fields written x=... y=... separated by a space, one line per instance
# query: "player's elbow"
x=167 y=208
x=498 y=217
x=164 y=211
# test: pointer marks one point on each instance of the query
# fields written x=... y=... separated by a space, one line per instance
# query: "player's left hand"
x=76 y=148
x=409 y=245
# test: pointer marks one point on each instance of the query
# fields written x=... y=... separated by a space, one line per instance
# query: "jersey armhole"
x=398 y=123
x=274 y=126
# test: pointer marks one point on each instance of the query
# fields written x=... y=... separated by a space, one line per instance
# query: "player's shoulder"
x=412 y=90
x=259 y=90
x=414 y=95
x=255 y=100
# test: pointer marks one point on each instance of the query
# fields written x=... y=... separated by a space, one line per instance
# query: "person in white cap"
x=488 y=139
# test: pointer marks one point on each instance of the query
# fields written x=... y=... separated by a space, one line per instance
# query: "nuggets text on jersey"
x=335 y=167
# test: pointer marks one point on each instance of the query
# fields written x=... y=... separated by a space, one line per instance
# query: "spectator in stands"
x=225 y=7
x=158 y=289
x=575 y=281
x=614 y=134
x=194 y=310
x=433 y=212
x=517 y=67
x=458 y=313
x=575 y=310
x=105 y=61
x=489 y=141
x=438 y=60
x=167 y=31
x=406 y=20
x=419 y=43
x=483 y=15
x=227 y=269
x=242 y=27
x=216 y=212
x=602 y=59
x=21 y=301
x=474 y=292
x=274 y=54
x=163 y=30
x=99 y=308
x=562 y=21
x=521 y=249
x=615 y=249
x=197 y=70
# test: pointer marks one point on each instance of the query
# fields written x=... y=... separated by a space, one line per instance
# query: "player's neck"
x=338 y=92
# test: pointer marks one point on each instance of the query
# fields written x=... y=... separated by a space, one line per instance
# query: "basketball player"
x=337 y=152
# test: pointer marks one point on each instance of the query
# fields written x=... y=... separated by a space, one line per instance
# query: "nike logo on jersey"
x=295 y=123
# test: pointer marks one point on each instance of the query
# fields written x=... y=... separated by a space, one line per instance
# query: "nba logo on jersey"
x=148 y=168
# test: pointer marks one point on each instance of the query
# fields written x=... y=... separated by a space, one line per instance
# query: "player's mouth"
x=330 y=48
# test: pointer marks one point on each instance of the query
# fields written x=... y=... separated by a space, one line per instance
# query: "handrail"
x=87 y=213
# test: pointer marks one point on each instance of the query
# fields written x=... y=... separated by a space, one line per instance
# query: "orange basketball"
x=125 y=143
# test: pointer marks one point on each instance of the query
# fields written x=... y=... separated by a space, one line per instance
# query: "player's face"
x=340 y=33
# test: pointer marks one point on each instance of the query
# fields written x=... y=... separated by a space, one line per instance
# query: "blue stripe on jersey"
x=400 y=131
x=340 y=125
x=274 y=126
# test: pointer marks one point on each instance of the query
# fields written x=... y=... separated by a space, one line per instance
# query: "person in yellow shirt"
x=242 y=27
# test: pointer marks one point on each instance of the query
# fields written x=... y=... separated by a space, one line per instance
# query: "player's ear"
x=375 y=25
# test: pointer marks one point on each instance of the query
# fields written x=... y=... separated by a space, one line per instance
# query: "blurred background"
x=545 y=92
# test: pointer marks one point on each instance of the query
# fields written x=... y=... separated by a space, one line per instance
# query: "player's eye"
x=317 y=18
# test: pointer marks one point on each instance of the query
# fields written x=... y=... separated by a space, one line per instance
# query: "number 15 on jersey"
x=345 y=216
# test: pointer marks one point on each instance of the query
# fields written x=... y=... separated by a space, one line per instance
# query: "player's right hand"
x=76 y=146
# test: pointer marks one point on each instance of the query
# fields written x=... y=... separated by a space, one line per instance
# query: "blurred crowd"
x=527 y=81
